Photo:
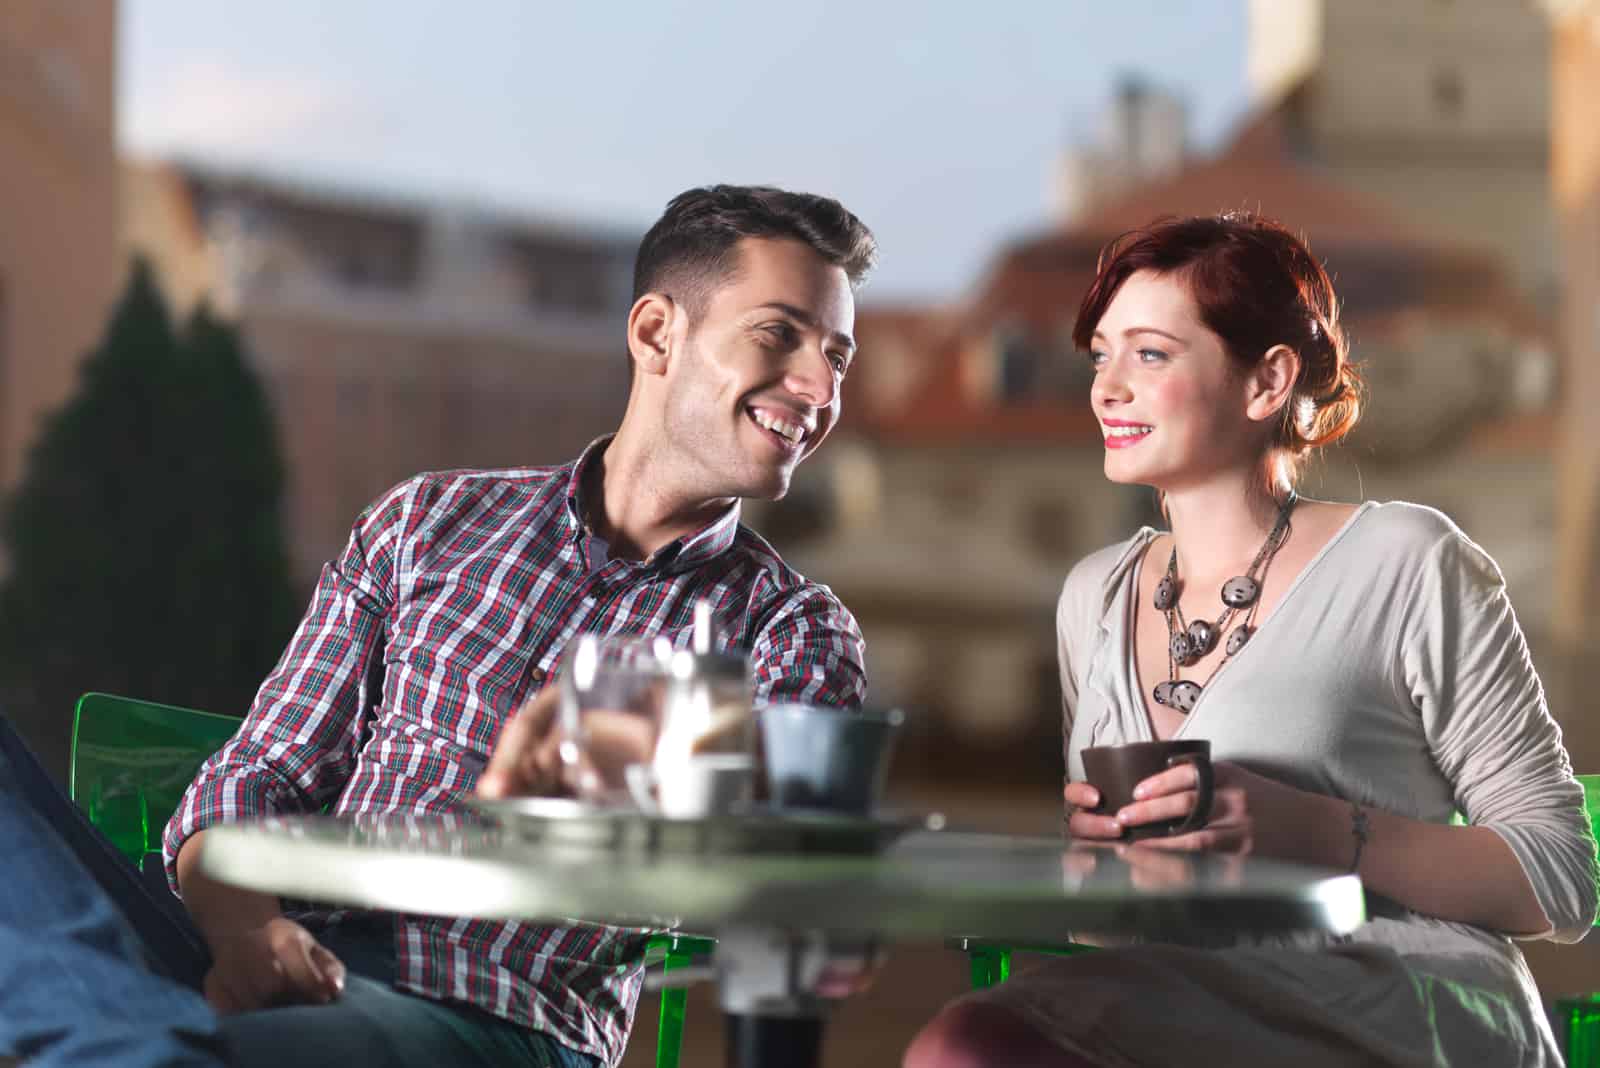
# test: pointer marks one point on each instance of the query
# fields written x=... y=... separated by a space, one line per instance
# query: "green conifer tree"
x=144 y=542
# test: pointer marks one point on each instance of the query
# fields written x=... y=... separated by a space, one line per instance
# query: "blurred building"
x=1575 y=166
x=58 y=262
x=1143 y=135
x=967 y=476
x=1439 y=109
x=394 y=336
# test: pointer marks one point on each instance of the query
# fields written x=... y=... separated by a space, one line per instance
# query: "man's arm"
x=810 y=650
x=259 y=957
x=293 y=753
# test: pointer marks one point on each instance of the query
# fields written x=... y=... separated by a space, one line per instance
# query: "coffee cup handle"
x=1201 y=813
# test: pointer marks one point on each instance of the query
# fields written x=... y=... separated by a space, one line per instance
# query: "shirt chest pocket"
x=442 y=679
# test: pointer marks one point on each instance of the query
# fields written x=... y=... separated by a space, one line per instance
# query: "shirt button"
x=537 y=675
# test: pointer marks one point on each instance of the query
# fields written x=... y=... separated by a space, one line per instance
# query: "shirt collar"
x=1119 y=571
x=680 y=554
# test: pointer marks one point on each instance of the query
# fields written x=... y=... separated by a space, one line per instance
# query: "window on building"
x=1017 y=363
x=1449 y=95
x=1065 y=374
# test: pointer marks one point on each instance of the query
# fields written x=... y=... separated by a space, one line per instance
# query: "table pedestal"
x=775 y=988
x=774 y=1041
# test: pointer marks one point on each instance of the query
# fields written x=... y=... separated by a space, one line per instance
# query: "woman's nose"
x=1110 y=385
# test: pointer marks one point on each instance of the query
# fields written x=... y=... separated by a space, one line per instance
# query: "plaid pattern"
x=459 y=591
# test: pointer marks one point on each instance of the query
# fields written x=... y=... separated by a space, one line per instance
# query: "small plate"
x=750 y=829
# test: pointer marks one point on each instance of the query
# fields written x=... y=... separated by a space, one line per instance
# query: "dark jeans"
x=98 y=967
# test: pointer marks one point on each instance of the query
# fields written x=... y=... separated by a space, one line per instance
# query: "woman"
x=1358 y=671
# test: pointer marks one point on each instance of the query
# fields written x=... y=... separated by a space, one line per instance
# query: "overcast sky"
x=938 y=123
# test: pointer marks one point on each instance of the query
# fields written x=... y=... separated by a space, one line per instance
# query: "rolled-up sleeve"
x=810 y=650
x=296 y=747
x=1485 y=717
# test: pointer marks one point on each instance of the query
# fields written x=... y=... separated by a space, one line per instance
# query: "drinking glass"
x=613 y=692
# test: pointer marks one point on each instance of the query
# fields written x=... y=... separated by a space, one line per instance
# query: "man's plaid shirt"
x=460 y=590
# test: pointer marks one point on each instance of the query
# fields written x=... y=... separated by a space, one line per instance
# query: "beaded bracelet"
x=1358 y=830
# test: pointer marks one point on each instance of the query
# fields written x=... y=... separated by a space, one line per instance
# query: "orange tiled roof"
x=1381 y=264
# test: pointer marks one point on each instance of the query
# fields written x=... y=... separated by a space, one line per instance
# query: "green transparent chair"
x=132 y=760
x=674 y=952
x=1578 y=1017
x=989 y=962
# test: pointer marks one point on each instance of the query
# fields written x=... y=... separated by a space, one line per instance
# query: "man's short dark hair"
x=691 y=248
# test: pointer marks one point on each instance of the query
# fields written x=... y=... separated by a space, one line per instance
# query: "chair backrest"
x=132 y=760
x=1591 y=804
x=1591 y=800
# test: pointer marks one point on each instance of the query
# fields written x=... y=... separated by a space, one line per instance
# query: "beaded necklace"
x=1188 y=641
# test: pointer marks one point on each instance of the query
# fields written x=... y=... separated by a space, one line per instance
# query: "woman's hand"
x=1249 y=813
x=1088 y=825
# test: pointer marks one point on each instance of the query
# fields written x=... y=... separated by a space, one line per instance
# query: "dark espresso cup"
x=1115 y=770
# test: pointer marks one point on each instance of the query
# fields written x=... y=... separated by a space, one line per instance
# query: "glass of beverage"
x=704 y=763
x=613 y=693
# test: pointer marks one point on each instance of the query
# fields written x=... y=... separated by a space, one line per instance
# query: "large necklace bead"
x=1166 y=594
x=1240 y=591
x=1163 y=692
x=1180 y=649
x=1240 y=635
x=1184 y=695
x=1202 y=638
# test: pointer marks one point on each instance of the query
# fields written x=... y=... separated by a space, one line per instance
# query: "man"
x=449 y=610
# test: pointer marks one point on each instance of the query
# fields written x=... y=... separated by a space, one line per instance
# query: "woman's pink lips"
x=1118 y=441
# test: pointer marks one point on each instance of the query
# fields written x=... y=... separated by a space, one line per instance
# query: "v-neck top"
x=1392 y=672
x=1137 y=550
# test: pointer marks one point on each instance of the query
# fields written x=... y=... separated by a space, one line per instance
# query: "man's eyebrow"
x=805 y=318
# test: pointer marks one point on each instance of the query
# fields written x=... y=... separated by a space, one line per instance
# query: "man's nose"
x=811 y=377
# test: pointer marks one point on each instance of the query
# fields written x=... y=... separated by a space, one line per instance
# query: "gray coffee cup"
x=827 y=758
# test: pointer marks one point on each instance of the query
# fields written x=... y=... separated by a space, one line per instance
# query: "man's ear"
x=650 y=324
x=1271 y=382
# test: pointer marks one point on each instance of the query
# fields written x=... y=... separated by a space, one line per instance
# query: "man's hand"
x=527 y=755
x=278 y=963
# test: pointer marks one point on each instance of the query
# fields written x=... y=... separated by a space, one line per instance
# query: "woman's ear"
x=650 y=332
x=1270 y=384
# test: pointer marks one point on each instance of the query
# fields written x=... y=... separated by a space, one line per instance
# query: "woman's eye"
x=1152 y=355
x=1095 y=359
x=841 y=363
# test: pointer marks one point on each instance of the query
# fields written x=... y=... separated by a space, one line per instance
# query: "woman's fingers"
x=1089 y=825
x=1173 y=780
x=1081 y=795
x=1166 y=807
x=1084 y=823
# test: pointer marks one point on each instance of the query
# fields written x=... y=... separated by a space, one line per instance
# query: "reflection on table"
x=784 y=920
x=926 y=884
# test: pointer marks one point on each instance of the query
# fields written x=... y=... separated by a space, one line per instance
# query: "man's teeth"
x=1127 y=431
x=778 y=426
